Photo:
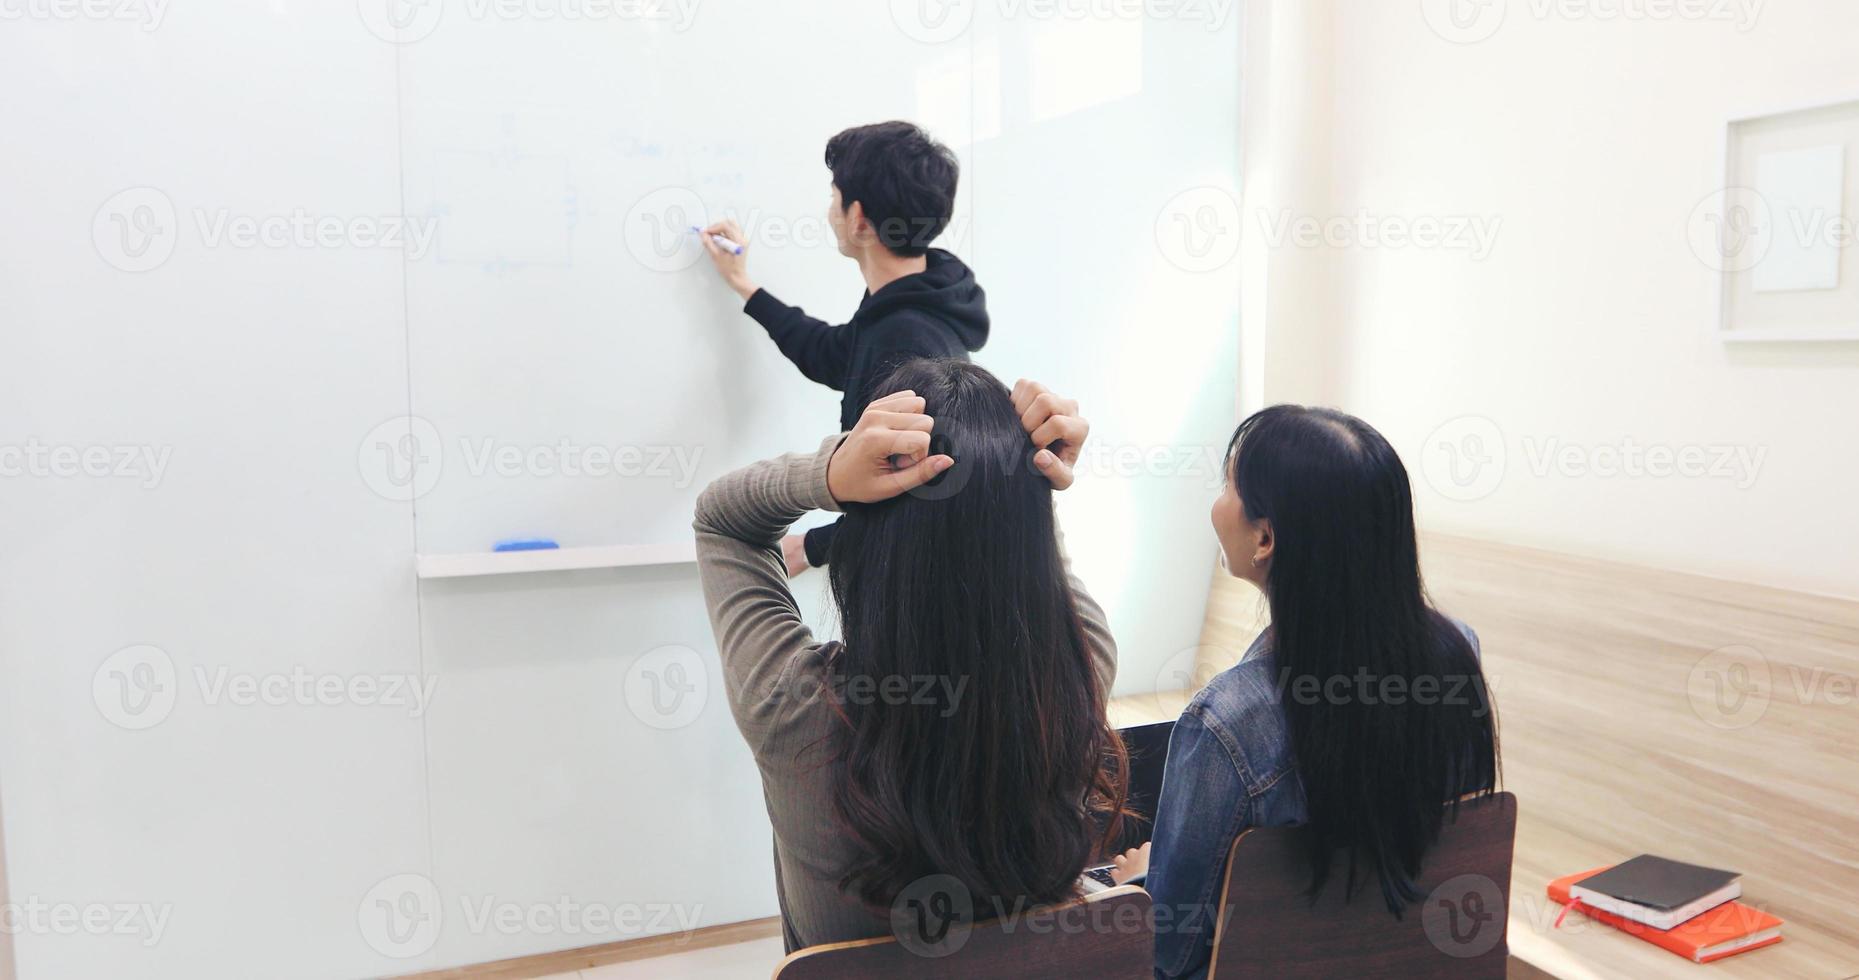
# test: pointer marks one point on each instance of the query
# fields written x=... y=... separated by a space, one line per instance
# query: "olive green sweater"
x=774 y=671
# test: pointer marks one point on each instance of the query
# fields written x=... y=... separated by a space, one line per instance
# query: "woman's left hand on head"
x=1057 y=430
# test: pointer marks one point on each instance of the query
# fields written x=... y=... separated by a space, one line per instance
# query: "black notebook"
x=1657 y=891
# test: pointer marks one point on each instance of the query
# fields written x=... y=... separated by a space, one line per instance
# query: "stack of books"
x=1687 y=909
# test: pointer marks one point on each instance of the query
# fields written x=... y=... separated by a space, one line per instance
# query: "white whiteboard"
x=562 y=310
x=583 y=371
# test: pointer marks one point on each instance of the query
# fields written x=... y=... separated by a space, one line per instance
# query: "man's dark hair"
x=905 y=180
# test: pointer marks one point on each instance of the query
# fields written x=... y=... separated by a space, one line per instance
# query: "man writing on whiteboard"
x=893 y=193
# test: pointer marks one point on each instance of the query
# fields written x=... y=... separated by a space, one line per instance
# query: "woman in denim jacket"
x=1358 y=713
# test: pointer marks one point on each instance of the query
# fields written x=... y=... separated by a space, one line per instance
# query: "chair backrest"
x=1106 y=936
x=1268 y=927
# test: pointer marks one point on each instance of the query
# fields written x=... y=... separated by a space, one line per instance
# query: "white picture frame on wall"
x=1780 y=230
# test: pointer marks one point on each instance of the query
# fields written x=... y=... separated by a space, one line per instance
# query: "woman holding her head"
x=1360 y=712
x=958 y=730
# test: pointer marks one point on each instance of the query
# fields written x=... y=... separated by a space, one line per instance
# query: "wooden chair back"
x=1106 y=936
x=1268 y=927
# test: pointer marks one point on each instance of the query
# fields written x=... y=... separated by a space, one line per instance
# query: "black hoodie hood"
x=946 y=290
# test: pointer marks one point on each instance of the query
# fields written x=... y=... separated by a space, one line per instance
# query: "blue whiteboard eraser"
x=526 y=544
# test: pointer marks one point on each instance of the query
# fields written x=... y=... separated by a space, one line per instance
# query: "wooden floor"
x=1623 y=731
x=741 y=949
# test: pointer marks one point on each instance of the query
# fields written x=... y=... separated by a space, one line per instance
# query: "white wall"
x=224 y=838
x=1285 y=297
x=1588 y=140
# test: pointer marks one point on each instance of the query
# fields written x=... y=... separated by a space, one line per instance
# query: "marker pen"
x=723 y=243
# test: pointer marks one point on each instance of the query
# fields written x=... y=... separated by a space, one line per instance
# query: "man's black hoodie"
x=939 y=312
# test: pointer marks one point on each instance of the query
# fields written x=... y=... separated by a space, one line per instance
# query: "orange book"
x=1726 y=930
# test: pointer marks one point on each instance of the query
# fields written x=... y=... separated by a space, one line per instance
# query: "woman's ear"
x=1262 y=542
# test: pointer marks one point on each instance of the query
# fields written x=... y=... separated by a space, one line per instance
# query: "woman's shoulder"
x=1246 y=689
x=1242 y=707
x=1463 y=629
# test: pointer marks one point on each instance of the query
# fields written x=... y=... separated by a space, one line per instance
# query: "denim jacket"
x=1229 y=767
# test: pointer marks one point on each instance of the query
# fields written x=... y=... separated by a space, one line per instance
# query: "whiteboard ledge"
x=555 y=559
x=1785 y=335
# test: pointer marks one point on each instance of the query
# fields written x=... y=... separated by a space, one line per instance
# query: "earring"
x=1255 y=561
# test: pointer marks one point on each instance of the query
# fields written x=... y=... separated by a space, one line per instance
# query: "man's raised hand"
x=733 y=267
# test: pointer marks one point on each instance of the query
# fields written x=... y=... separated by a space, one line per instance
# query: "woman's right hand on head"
x=1057 y=431
x=886 y=454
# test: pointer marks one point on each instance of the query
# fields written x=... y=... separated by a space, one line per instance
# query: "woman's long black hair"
x=1009 y=783
x=1388 y=711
